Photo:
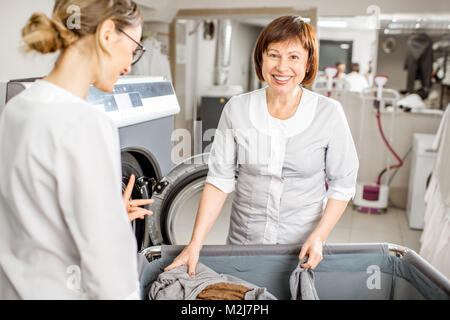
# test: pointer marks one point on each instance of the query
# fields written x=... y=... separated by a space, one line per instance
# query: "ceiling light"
x=332 y=24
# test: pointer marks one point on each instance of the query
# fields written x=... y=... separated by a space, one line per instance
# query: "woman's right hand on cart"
x=211 y=203
x=189 y=256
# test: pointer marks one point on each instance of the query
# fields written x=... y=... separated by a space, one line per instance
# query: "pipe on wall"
x=223 y=52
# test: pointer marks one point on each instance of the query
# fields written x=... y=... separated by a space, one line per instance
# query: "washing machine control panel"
x=136 y=99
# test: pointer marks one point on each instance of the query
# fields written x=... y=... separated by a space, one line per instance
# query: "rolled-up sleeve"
x=222 y=159
x=341 y=161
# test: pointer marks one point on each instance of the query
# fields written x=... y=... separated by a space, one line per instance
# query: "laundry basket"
x=369 y=271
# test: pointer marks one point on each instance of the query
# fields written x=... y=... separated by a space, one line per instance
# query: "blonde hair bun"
x=46 y=35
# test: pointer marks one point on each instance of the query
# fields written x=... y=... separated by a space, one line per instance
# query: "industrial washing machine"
x=143 y=108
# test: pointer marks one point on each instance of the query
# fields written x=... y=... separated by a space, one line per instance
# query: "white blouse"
x=278 y=168
x=64 y=229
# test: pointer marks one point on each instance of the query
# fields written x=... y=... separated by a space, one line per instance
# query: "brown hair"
x=287 y=28
x=355 y=67
x=45 y=35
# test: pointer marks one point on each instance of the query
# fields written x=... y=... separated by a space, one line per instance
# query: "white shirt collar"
x=300 y=121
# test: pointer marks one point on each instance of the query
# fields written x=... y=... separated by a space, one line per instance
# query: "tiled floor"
x=391 y=227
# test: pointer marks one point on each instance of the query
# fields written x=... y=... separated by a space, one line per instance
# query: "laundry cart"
x=368 y=271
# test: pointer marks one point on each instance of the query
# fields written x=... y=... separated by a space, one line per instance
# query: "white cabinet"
x=423 y=159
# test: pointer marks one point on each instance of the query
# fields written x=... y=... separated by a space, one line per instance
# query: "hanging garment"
x=65 y=233
x=442 y=72
x=411 y=101
x=301 y=283
x=281 y=166
x=176 y=284
x=419 y=60
x=435 y=238
x=153 y=62
x=442 y=168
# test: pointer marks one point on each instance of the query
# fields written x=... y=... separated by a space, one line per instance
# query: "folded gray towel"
x=176 y=284
x=301 y=283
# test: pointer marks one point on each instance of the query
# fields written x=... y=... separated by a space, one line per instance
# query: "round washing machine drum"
x=177 y=197
x=142 y=190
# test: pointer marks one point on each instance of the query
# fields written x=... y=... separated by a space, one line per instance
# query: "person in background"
x=369 y=72
x=277 y=147
x=341 y=67
x=65 y=229
x=357 y=81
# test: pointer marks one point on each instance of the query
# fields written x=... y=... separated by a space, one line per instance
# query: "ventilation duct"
x=223 y=52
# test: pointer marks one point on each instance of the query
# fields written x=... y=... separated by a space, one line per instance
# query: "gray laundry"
x=142 y=264
x=176 y=284
x=301 y=283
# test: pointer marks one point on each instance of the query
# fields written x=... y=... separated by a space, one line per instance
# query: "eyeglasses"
x=139 y=52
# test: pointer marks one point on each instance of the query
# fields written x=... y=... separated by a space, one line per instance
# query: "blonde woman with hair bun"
x=64 y=223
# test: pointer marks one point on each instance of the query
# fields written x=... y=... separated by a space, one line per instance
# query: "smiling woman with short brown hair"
x=305 y=170
x=289 y=28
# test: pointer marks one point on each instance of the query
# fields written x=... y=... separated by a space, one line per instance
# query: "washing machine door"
x=141 y=190
x=177 y=197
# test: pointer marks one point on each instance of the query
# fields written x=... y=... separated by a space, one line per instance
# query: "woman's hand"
x=189 y=256
x=313 y=248
x=133 y=206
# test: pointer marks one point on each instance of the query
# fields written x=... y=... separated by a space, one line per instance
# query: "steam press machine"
x=374 y=198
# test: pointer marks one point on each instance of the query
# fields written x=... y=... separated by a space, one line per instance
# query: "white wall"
x=14 y=63
x=162 y=33
x=242 y=44
x=363 y=43
x=204 y=73
x=165 y=10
